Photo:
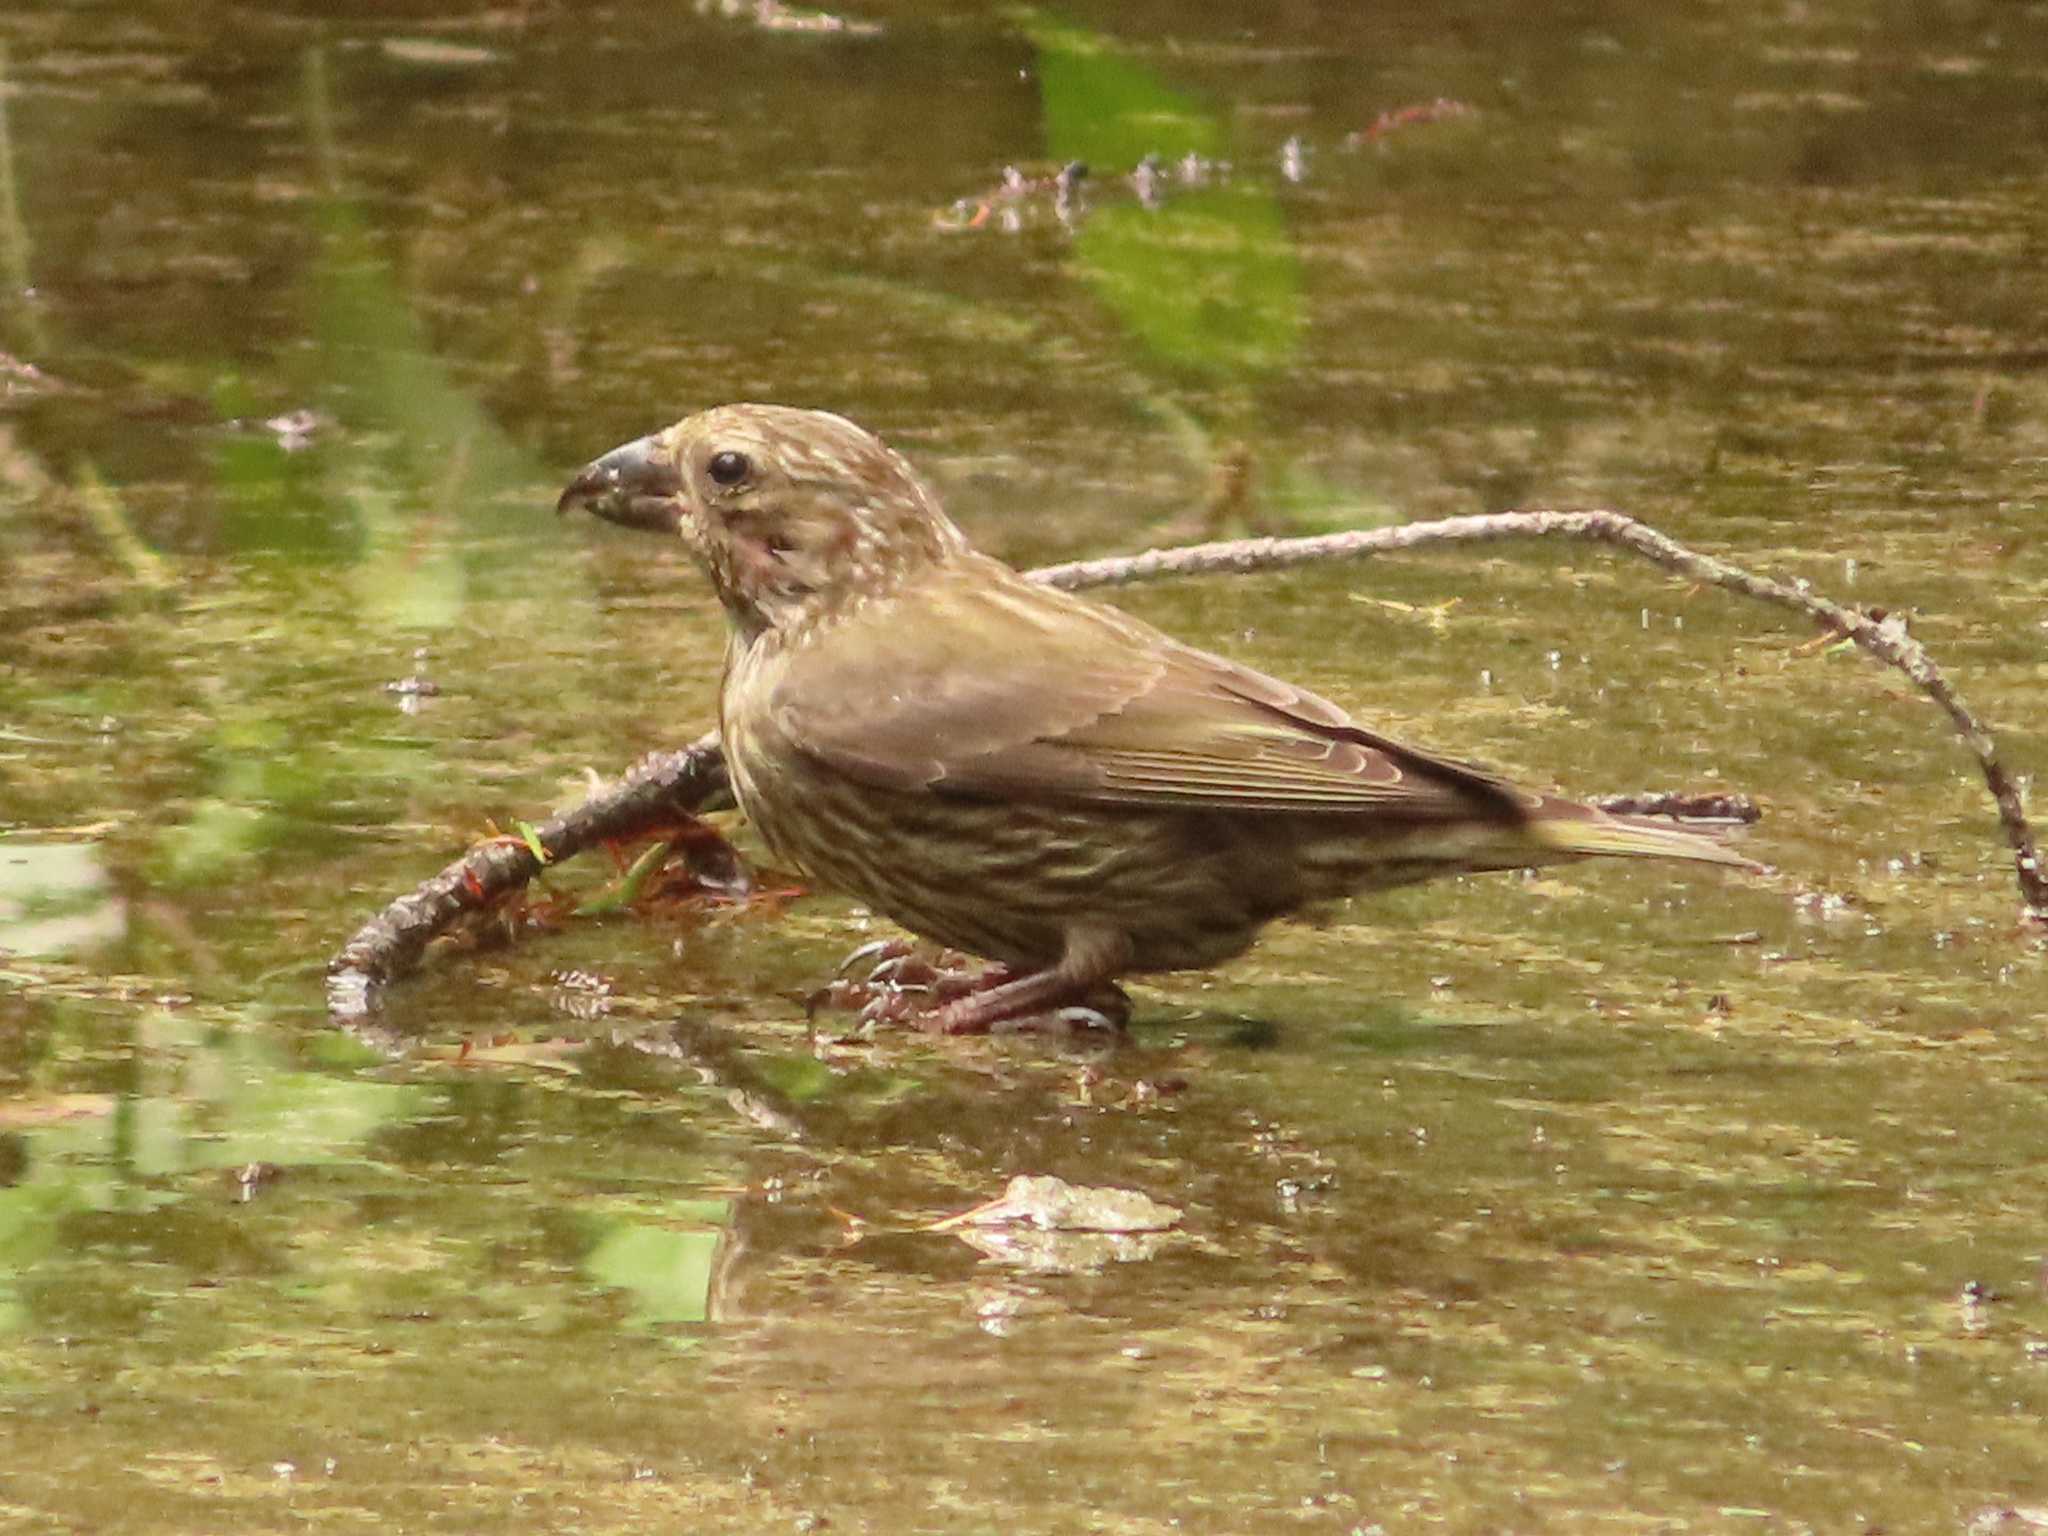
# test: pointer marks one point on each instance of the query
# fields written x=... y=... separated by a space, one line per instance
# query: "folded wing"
x=979 y=683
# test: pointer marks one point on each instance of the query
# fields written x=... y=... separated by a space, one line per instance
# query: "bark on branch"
x=667 y=785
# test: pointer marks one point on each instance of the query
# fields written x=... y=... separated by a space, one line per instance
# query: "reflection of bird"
x=1020 y=773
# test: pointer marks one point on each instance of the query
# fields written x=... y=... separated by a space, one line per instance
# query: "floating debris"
x=1066 y=193
x=1443 y=109
x=1063 y=1253
x=774 y=16
x=1046 y=1226
x=1683 y=805
x=1145 y=181
x=414 y=690
x=18 y=376
x=251 y=1179
x=1827 y=906
x=1011 y=198
x=295 y=430
x=1053 y=1205
x=1007 y=205
x=1294 y=159
x=2008 y=1520
x=437 y=53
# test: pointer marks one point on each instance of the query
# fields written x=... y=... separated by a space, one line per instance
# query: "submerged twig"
x=694 y=779
x=654 y=792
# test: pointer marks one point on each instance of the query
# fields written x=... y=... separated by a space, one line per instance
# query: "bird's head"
x=791 y=512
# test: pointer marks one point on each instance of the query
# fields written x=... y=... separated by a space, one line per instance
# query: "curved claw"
x=893 y=1005
x=882 y=951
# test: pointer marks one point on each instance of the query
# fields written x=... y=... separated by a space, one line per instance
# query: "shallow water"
x=1619 y=1199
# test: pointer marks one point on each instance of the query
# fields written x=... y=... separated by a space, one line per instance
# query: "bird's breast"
x=757 y=757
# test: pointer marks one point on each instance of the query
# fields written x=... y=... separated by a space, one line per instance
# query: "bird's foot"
x=953 y=994
x=1036 y=1002
x=900 y=985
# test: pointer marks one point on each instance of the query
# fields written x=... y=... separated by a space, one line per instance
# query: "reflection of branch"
x=694 y=779
x=716 y=1057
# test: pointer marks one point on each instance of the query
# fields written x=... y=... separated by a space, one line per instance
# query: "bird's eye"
x=729 y=468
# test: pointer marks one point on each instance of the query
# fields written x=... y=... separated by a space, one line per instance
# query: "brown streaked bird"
x=1024 y=774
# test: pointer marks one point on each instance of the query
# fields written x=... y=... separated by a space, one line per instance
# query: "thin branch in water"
x=655 y=792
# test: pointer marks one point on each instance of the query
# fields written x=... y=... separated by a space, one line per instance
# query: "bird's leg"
x=949 y=995
x=1039 y=1000
x=1083 y=980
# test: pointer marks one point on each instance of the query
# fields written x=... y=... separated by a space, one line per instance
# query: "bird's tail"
x=1591 y=832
